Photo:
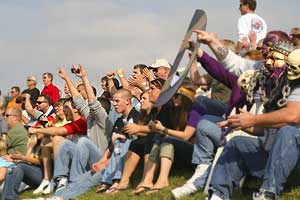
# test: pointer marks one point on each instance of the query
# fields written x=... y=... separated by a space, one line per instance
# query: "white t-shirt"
x=251 y=22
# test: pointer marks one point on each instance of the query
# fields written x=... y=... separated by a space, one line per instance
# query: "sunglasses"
x=29 y=80
x=40 y=102
x=7 y=115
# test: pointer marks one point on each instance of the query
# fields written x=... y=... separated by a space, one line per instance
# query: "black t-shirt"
x=34 y=94
x=133 y=116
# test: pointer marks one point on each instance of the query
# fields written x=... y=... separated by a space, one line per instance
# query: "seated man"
x=242 y=154
x=111 y=163
x=284 y=155
x=16 y=140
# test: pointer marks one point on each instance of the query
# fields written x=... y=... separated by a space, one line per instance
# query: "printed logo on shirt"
x=256 y=25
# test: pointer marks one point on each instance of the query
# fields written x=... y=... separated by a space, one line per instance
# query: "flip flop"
x=102 y=188
x=141 y=189
x=112 y=190
x=154 y=190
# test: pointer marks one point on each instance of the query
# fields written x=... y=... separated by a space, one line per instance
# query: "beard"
x=275 y=74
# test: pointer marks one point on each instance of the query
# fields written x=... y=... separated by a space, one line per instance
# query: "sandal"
x=102 y=188
x=154 y=190
x=141 y=189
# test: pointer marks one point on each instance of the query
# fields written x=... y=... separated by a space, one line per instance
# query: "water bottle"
x=117 y=147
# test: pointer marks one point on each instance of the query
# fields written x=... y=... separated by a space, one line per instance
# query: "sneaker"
x=42 y=186
x=50 y=188
x=184 y=190
x=62 y=183
x=23 y=186
x=199 y=171
x=264 y=195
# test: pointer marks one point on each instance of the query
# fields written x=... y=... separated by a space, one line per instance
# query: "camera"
x=75 y=71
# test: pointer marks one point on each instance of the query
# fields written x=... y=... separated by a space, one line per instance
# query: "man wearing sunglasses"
x=31 y=89
x=14 y=95
x=161 y=68
x=44 y=110
x=16 y=139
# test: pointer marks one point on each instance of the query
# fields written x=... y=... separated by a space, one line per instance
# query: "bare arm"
x=136 y=129
x=276 y=119
x=122 y=78
x=63 y=74
x=61 y=131
x=188 y=132
x=28 y=107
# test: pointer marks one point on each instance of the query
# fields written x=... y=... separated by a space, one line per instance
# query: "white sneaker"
x=50 y=188
x=23 y=186
x=215 y=197
x=184 y=190
x=42 y=186
x=199 y=171
x=61 y=184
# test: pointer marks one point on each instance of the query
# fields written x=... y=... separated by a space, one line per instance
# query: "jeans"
x=212 y=106
x=283 y=158
x=63 y=159
x=81 y=185
x=208 y=136
x=85 y=155
x=115 y=167
x=30 y=174
x=240 y=155
x=79 y=157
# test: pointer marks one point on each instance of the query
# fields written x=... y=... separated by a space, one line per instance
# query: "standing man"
x=15 y=100
x=51 y=90
x=249 y=22
x=32 y=90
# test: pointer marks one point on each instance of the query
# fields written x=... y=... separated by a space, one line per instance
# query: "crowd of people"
x=66 y=141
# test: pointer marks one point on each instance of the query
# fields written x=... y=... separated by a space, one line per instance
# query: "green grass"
x=177 y=178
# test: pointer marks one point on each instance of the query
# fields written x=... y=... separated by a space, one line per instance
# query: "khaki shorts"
x=164 y=150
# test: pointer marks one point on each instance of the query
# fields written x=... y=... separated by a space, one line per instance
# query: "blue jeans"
x=30 y=174
x=115 y=167
x=208 y=136
x=81 y=156
x=283 y=158
x=85 y=155
x=212 y=106
x=240 y=155
x=82 y=184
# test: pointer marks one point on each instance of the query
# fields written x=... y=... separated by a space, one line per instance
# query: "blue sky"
x=40 y=36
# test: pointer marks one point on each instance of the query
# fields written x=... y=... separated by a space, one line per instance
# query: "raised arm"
x=28 y=107
x=63 y=74
x=234 y=63
x=122 y=78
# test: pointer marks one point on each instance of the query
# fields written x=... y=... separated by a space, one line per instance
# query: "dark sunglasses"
x=7 y=115
x=39 y=102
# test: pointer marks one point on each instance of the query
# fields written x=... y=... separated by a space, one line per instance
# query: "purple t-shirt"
x=195 y=115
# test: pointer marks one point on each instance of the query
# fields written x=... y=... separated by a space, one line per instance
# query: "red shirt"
x=52 y=91
x=78 y=127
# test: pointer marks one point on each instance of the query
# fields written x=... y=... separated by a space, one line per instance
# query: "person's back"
x=250 y=22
